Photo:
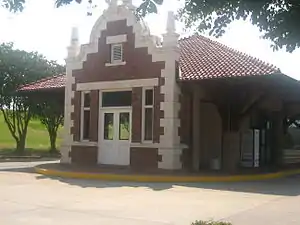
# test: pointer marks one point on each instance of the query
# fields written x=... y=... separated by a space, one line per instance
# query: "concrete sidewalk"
x=33 y=199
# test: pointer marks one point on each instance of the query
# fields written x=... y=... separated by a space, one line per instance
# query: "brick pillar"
x=94 y=115
x=156 y=117
x=137 y=94
x=75 y=116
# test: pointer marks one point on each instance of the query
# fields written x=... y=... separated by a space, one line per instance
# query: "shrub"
x=209 y=223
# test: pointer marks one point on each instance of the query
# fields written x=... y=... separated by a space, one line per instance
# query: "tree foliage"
x=278 y=19
x=13 y=5
x=17 y=68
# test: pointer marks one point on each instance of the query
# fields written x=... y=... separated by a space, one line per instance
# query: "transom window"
x=116 y=53
x=116 y=99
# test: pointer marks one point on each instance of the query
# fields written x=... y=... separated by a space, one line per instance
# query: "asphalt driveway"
x=32 y=199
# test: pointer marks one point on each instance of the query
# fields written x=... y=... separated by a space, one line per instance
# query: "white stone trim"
x=171 y=149
x=116 y=64
x=145 y=145
x=121 y=12
x=118 y=84
x=170 y=158
x=171 y=110
x=69 y=108
x=84 y=143
x=116 y=39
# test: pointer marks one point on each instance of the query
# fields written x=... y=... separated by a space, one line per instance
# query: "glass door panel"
x=124 y=126
x=108 y=126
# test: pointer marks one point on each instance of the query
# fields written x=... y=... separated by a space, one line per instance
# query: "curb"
x=163 y=178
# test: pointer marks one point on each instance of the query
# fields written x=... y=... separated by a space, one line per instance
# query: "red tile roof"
x=200 y=58
x=57 y=81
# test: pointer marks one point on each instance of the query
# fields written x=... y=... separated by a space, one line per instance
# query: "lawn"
x=37 y=137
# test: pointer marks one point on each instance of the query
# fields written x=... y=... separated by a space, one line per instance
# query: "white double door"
x=115 y=136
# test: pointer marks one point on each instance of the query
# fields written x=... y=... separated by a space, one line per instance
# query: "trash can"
x=215 y=164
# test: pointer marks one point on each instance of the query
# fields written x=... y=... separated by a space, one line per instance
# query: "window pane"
x=108 y=126
x=124 y=127
x=148 y=124
x=86 y=124
x=149 y=97
x=115 y=99
x=87 y=100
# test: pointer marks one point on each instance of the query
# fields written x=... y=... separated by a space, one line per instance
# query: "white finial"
x=171 y=27
x=170 y=37
x=74 y=36
x=73 y=49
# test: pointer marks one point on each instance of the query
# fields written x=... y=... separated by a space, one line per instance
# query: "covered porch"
x=239 y=122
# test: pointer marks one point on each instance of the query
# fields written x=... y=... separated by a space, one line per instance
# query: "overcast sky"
x=41 y=27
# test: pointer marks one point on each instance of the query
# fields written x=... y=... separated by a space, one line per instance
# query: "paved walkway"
x=32 y=199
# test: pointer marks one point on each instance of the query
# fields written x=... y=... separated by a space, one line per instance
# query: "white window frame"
x=116 y=39
x=144 y=107
x=82 y=110
x=112 y=54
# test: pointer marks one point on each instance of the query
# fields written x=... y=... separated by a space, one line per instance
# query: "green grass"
x=37 y=137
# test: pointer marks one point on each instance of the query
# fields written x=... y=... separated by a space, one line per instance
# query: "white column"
x=73 y=51
x=170 y=147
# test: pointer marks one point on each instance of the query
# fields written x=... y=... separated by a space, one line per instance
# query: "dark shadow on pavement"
x=289 y=186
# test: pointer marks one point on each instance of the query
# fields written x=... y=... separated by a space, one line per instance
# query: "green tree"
x=50 y=110
x=277 y=19
x=17 y=68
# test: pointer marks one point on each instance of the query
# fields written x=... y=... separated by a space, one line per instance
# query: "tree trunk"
x=20 y=145
x=52 y=137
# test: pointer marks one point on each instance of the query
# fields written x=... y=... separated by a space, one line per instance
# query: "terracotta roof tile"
x=202 y=58
x=57 y=81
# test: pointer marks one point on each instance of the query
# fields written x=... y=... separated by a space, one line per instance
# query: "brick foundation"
x=84 y=155
x=144 y=158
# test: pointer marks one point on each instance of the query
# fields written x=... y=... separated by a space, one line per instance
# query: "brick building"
x=134 y=100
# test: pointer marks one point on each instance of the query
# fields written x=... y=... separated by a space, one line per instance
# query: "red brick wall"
x=136 y=135
x=75 y=116
x=144 y=158
x=94 y=115
x=139 y=63
x=84 y=155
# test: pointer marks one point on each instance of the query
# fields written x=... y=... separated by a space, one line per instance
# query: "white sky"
x=41 y=27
